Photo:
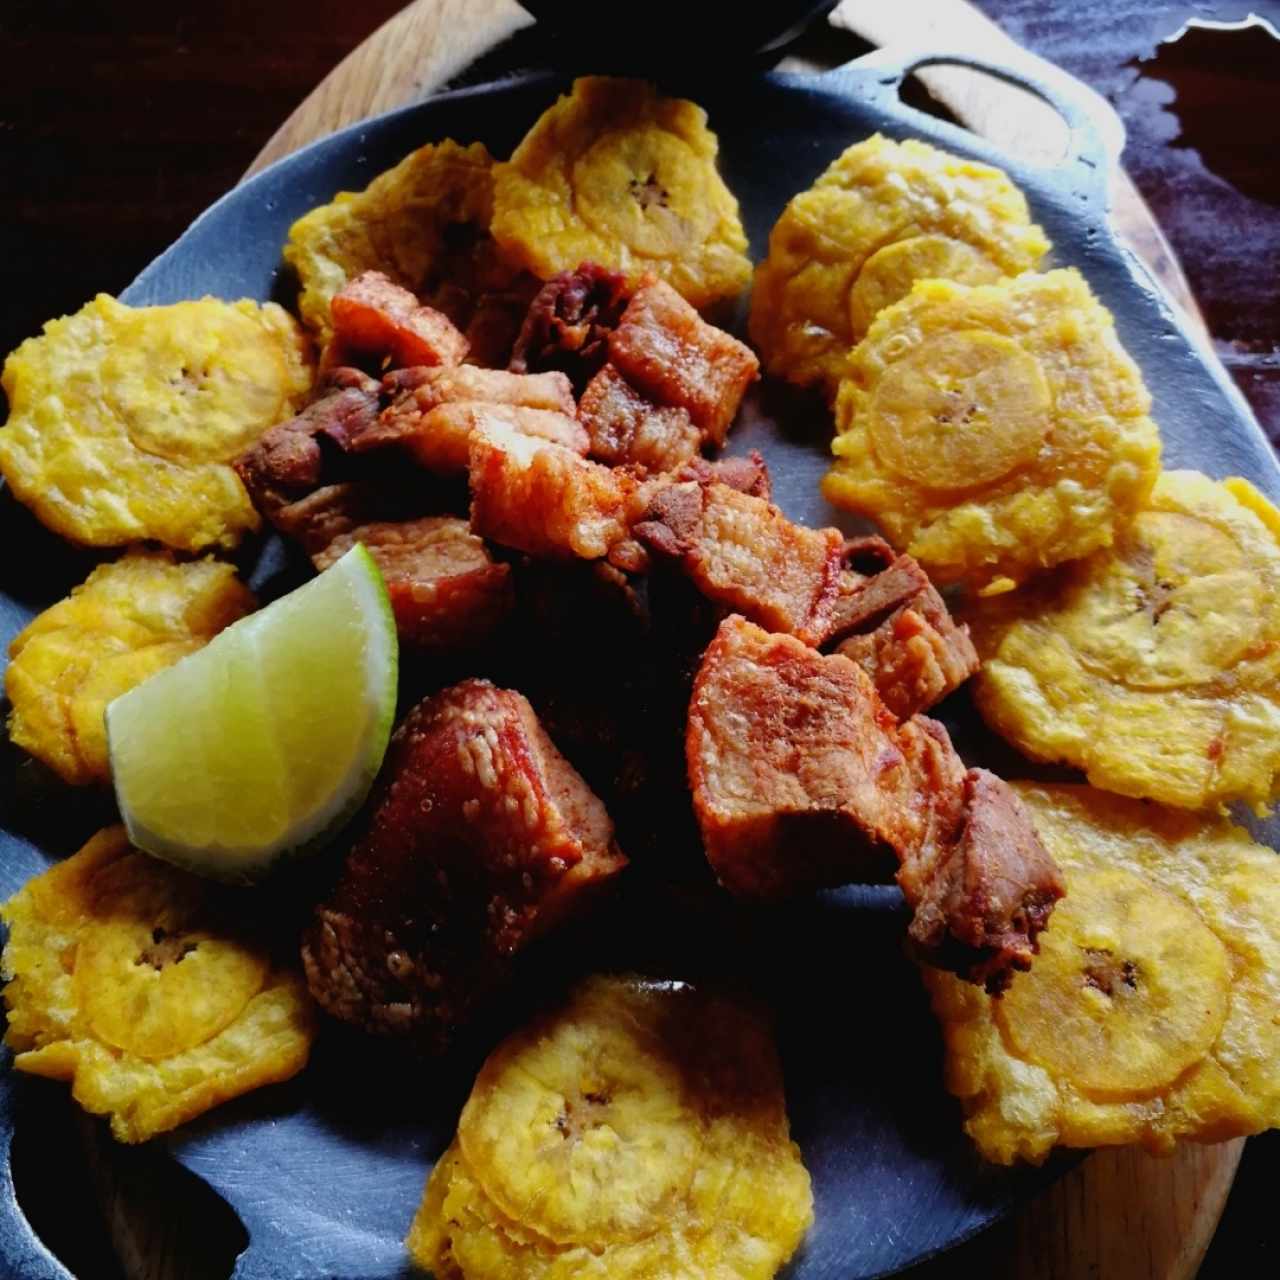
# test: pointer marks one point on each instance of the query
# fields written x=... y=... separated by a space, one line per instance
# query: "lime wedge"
x=266 y=740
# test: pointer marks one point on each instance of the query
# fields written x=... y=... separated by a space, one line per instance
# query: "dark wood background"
x=120 y=121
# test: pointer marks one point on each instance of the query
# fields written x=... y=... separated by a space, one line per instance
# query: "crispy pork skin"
x=673 y=357
x=538 y=497
x=433 y=412
x=482 y=838
x=469 y=385
x=897 y=628
x=373 y=317
x=799 y=774
x=741 y=552
x=447 y=592
x=626 y=428
x=802 y=778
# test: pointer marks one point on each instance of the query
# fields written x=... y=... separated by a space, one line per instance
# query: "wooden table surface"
x=1159 y=1215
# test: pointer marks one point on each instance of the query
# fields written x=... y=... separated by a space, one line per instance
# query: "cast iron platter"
x=325 y=1172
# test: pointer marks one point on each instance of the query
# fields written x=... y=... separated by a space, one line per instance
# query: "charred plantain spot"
x=650 y=192
x=1104 y=973
x=165 y=949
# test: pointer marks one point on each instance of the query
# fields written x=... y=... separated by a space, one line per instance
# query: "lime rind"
x=244 y=862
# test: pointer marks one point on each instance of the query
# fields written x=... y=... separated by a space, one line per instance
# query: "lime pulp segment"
x=266 y=740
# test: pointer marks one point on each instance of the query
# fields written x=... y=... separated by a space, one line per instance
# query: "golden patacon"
x=1152 y=1014
x=424 y=224
x=1154 y=665
x=123 y=421
x=994 y=430
x=267 y=740
x=146 y=989
x=126 y=621
x=616 y=174
x=881 y=216
x=638 y=1131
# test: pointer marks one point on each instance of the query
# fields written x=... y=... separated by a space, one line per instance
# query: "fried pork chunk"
x=898 y=629
x=672 y=383
x=541 y=498
x=483 y=837
x=447 y=592
x=568 y=324
x=295 y=458
x=741 y=552
x=624 y=426
x=433 y=413
x=802 y=778
x=373 y=317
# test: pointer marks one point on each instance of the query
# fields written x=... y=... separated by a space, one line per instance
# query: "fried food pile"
x=640 y=1130
x=1150 y=1016
x=146 y=989
x=123 y=421
x=1154 y=665
x=616 y=174
x=883 y=215
x=126 y=621
x=994 y=430
x=624 y=659
x=687 y=548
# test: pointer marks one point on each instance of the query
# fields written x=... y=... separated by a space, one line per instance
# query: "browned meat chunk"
x=466 y=384
x=673 y=357
x=569 y=323
x=747 y=475
x=546 y=500
x=624 y=427
x=293 y=459
x=443 y=444
x=898 y=629
x=482 y=838
x=375 y=317
x=446 y=590
x=328 y=513
x=742 y=553
x=434 y=412
x=802 y=778
x=981 y=900
x=798 y=773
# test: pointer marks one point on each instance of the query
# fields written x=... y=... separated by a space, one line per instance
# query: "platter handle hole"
x=1013 y=119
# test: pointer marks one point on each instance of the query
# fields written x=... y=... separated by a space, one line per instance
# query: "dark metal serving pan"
x=325 y=1172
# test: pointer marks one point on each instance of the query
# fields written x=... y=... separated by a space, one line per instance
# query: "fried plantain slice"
x=639 y=1131
x=994 y=430
x=126 y=621
x=142 y=986
x=123 y=421
x=883 y=215
x=1153 y=1013
x=614 y=174
x=1154 y=665
x=425 y=225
